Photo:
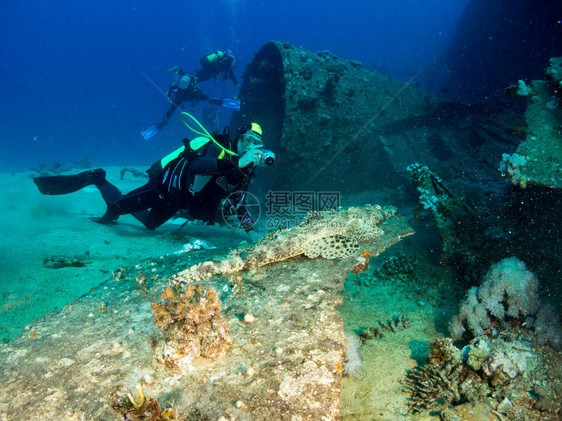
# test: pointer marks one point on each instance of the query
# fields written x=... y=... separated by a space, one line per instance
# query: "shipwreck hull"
x=324 y=116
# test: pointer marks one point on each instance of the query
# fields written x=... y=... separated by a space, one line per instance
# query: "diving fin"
x=230 y=103
x=150 y=132
x=64 y=184
x=109 y=217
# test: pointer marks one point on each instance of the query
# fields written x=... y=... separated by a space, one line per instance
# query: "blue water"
x=73 y=71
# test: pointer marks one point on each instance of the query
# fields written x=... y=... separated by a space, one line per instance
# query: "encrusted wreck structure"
x=538 y=159
x=265 y=342
x=338 y=126
x=324 y=116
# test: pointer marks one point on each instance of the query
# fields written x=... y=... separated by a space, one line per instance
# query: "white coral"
x=508 y=289
x=511 y=166
x=477 y=318
x=511 y=361
x=547 y=327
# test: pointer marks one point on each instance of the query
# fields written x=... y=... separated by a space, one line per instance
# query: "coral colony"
x=192 y=326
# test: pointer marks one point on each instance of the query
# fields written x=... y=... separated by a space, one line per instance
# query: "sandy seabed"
x=41 y=233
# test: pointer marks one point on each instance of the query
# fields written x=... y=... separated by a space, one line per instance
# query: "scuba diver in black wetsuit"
x=219 y=63
x=196 y=177
x=185 y=87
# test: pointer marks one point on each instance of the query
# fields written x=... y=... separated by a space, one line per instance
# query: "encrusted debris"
x=394 y=325
x=539 y=157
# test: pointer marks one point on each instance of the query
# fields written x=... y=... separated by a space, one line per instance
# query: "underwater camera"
x=267 y=158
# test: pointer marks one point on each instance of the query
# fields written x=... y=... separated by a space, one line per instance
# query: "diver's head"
x=248 y=138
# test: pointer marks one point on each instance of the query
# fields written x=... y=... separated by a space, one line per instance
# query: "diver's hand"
x=252 y=157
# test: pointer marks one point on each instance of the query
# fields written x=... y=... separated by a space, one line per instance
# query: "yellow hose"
x=205 y=133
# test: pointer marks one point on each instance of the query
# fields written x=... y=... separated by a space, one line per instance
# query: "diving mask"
x=249 y=141
x=251 y=137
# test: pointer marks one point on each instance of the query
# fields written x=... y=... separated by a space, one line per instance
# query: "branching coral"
x=444 y=381
x=432 y=385
x=192 y=325
x=394 y=325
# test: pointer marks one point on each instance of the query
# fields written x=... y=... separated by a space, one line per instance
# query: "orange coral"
x=361 y=266
x=192 y=322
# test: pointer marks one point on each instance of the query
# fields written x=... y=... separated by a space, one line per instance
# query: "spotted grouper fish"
x=328 y=235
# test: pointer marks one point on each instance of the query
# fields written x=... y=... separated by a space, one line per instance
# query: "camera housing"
x=266 y=158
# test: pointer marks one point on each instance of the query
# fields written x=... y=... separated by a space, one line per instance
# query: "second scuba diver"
x=185 y=87
x=219 y=63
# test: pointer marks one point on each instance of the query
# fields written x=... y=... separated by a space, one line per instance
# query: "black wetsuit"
x=193 y=93
x=222 y=67
x=170 y=189
x=179 y=96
